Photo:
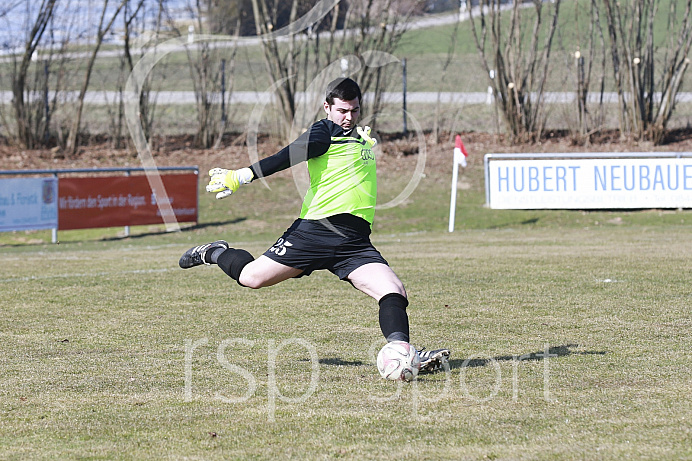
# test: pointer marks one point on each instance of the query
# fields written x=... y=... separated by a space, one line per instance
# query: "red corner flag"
x=460 y=153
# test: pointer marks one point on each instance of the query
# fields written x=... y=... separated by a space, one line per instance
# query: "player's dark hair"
x=344 y=89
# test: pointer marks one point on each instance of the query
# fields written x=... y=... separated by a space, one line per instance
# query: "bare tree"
x=25 y=136
x=117 y=113
x=585 y=55
x=138 y=39
x=281 y=66
x=379 y=26
x=34 y=119
x=211 y=72
x=445 y=68
x=367 y=29
x=103 y=28
x=647 y=98
x=519 y=60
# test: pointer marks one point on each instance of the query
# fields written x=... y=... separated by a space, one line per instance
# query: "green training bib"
x=342 y=180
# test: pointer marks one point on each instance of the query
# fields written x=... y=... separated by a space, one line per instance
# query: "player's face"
x=343 y=113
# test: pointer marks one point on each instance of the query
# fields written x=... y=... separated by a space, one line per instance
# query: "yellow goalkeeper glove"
x=225 y=182
x=365 y=134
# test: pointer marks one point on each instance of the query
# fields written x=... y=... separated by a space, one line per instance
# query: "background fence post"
x=127 y=228
x=403 y=71
x=54 y=231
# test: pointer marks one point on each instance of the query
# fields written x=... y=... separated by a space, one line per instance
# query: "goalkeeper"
x=333 y=231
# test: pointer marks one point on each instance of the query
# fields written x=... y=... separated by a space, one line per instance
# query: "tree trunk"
x=24 y=135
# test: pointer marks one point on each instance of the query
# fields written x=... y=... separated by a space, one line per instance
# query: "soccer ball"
x=398 y=361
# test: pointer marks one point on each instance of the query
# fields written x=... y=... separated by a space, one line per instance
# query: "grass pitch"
x=568 y=343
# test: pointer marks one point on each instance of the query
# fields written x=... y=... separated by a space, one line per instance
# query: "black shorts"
x=334 y=245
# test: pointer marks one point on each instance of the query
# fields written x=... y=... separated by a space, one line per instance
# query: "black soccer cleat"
x=433 y=360
x=196 y=256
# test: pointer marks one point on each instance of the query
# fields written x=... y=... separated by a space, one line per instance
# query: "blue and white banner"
x=28 y=203
x=604 y=183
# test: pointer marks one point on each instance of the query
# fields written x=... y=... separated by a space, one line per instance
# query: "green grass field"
x=569 y=332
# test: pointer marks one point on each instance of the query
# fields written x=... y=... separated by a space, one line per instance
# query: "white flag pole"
x=459 y=159
x=453 y=200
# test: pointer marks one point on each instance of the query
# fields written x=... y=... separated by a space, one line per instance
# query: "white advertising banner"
x=28 y=203
x=603 y=183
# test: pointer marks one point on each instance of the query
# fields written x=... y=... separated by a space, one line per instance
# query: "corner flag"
x=460 y=153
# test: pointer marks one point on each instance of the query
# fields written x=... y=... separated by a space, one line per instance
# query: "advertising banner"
x=116 y=201
x=28 y=204
x=607 y=183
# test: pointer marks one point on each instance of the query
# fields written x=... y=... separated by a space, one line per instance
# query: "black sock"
x=393 y=317
x=212 y=257
x=232 y=262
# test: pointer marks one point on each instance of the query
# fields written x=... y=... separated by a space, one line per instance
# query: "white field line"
x=91 y=274
x=103 y=274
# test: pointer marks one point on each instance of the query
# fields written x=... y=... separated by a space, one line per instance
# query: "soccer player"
x=333 y=231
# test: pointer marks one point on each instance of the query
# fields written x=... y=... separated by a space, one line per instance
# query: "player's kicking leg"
x=379 y=281
x=238 y=264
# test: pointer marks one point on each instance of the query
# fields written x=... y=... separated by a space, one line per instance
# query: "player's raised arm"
x=313 y=143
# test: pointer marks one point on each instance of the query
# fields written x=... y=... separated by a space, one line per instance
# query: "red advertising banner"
x=115 y=201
